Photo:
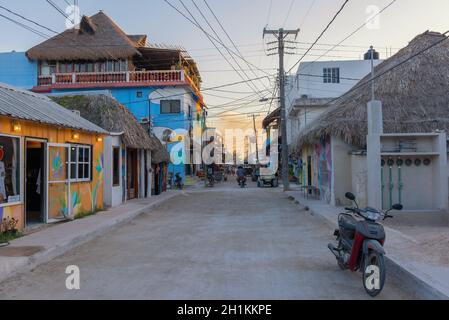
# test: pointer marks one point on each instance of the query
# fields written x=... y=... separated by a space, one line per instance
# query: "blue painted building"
x=159 y=85
x=17 y=70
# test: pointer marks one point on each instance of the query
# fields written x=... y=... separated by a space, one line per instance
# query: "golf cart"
x=267 y=178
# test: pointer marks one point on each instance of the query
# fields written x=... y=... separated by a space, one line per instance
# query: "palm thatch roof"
x=109 y=114
x=273 y=116
x=415 y=96
x=160 y=154
x=140 y=40
x=97 y=38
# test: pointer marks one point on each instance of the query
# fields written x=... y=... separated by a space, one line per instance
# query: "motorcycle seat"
x=348 y=222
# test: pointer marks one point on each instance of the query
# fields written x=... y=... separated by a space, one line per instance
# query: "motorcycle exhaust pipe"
x=334 y=250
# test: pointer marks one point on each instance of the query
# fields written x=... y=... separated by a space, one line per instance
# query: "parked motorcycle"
x=178 y=182
x=210 y=181
x=360 y=244
x=242 y=182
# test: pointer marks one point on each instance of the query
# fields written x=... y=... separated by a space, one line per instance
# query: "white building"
x=317 y=83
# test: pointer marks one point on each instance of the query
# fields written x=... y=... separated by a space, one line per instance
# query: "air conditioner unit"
x=77 y=112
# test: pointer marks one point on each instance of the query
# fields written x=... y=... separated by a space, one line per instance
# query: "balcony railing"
x=112 y=77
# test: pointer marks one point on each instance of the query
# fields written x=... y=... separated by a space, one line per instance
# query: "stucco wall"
x=314 y=87
x=341 y=173
x=17 y=70
x=359 y=179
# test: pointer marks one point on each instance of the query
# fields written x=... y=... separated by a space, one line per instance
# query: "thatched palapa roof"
x=109 y=114
x=415 y=96
x=97 y=38
x=273 y=116
x=160 y=154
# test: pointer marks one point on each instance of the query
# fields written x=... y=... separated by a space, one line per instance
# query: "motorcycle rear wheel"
x=374 y=259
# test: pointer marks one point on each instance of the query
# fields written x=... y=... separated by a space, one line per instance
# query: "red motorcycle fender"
x=356 y=251
x=373 y=245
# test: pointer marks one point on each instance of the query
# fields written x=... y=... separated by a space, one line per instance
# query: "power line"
x=243 y=45
x=307 y=14
x=238 y=107
x=321 y=34
x=202 y=90
x=393 y=68
x=236 y=100
x=54 y=5
x=351 y=34
x=29 y=20
x=250 y=84
x=37 y=32
x=224 y=97
x=288 y=12
x=230 y=91
x=356 y=30
x=230 y=39
x=269 y=12
x=199 y=27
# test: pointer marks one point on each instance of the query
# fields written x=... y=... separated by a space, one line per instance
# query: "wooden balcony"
x=104 y=78
x=108 y=80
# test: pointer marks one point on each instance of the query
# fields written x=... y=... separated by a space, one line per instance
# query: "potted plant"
x=9 y=226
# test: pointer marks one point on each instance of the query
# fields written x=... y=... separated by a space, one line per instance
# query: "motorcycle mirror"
x=350 y=196
x=398 y=207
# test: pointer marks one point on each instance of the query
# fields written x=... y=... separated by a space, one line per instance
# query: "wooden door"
x=132 y=174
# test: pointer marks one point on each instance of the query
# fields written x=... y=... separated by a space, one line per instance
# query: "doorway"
x=309 y=171
x=35 y=183
x=147 y=172
x=132 y=172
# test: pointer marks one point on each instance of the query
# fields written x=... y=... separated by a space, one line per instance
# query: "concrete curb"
x=25 y=264
x=414 y=281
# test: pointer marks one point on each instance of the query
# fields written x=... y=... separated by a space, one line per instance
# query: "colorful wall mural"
x=7 y=213
x=316 y=161
x=123 y=173
x=84 y=197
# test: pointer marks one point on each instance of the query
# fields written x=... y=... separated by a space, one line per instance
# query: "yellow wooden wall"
x=86 y=196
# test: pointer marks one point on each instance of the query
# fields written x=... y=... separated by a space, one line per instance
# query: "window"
x=100 y=67
x=80 y=163
x=9 y=170
x=116 y=166
x=117 y=66
x=83 y=67
x=48 y=68
x=62 y=68
x=170 y=106
x=123 y=65
x=139 y=94
x=331 y=75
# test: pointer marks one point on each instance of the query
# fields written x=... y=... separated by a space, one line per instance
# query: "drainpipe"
x=383 y=183
x=391 y=185
x=400 y=182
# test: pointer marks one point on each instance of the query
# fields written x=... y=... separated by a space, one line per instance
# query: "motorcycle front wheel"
x=374 y=273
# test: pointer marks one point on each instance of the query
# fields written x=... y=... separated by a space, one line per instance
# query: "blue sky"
x=244 y=21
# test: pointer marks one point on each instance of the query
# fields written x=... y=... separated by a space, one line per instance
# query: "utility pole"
x=255 y=135
x=372 y=74
x=281 y=35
